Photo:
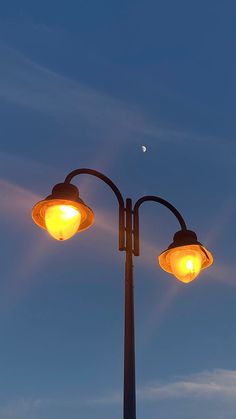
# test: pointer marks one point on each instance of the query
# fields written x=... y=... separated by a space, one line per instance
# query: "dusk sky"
x=86 y=84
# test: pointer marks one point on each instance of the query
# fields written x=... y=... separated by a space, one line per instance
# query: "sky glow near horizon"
x=87 y=86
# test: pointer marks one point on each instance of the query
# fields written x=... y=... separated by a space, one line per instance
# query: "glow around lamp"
x=185 y=257
x=63 y=213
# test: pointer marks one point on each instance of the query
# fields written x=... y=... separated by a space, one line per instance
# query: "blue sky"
x=85 y=84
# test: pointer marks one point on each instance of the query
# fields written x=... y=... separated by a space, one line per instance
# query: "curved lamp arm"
x=117 y=193
x=136 y=217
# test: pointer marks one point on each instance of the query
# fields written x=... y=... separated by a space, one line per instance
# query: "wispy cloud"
x=207 y=384
x=26 y=83
x=217 y=385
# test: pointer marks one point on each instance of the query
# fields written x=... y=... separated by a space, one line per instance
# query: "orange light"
x=63 y=213
x=185 y=262
x=62 y=221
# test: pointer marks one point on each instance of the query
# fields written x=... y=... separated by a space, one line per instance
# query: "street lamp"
x=63 y=214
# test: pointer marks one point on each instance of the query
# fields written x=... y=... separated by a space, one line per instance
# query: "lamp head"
x=185 y=257
x=63 y=213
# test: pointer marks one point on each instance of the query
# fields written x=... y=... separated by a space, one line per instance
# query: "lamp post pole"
x=128 y=242
x=129 y=338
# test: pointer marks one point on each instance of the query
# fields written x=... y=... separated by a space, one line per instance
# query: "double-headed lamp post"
x=63 y=214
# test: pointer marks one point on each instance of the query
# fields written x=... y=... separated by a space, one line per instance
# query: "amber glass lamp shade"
x=63 y=213
x=185 y=257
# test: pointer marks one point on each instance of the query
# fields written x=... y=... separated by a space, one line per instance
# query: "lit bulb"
x=185 y=264
x=62 y=221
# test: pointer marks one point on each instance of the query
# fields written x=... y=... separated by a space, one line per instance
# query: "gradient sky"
x=85 y=84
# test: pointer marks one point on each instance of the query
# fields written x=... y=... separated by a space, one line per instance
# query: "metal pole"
x=128 y=242
x=129 y=342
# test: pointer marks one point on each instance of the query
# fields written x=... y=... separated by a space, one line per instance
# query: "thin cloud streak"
x=25 y=83
x=17 y=201
x=207 y=384
x=218 y=384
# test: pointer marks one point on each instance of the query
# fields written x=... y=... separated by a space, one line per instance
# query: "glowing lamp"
x=63 y=213
x=185 y=257
x=62 y=221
